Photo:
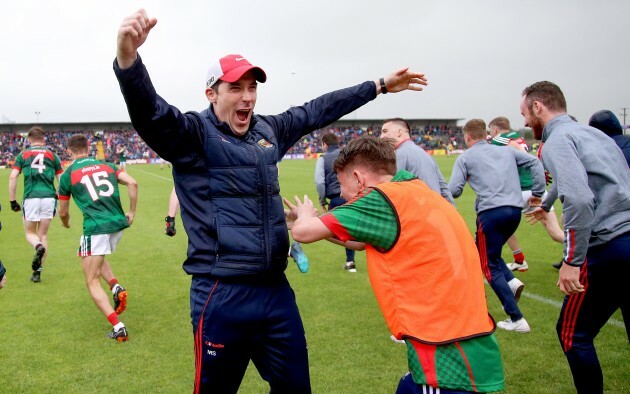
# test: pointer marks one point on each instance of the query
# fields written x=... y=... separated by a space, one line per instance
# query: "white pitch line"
x=157 y=176
x=558 y=304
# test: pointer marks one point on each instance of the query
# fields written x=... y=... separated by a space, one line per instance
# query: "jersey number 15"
x=95 y=180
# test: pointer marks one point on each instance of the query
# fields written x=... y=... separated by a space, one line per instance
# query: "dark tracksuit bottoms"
x=494 y=227
x=604 y=276
x=247 y=318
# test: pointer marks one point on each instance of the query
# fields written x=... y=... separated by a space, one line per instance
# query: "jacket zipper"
x=216 y=245
x=261 y=167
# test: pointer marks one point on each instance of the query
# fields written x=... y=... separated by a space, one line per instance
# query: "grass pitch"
x=53 y=337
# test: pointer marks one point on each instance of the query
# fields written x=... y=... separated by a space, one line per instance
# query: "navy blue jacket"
x=623 y=142
x=333 y=189
x=227 y=185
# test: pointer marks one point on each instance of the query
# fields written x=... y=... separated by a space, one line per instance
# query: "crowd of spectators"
x=11 y=144
x=427 y=137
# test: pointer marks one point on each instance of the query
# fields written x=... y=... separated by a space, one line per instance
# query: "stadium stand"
x=445 y=136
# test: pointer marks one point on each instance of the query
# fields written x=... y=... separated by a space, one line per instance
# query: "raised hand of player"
x=132 y=33
x=569 y=280
x=290 y=214
x=305 y=209
x=404 y=79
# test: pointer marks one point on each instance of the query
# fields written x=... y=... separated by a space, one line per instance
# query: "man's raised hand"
x=404 y=79
x=132 y=33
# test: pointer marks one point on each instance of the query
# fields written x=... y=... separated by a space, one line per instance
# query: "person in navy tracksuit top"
x=327 y=184
x=224 y=167
x=593 y=183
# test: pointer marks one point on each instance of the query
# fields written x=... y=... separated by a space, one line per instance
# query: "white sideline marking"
x=558 y=304
x=157 y=176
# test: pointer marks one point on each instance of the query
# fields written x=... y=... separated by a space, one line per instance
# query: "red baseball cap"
x=231 y=68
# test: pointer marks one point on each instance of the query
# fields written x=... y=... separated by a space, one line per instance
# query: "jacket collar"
x=402 y=142
x=553 y=123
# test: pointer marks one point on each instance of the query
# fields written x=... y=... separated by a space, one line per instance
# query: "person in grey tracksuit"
x=412 y=158
x=492 y=173
x=593 y=183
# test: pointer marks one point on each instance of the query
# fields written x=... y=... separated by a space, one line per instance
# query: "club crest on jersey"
x=264 y=143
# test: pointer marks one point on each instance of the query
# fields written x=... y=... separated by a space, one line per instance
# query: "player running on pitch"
x=94 y=186
x=40 y=166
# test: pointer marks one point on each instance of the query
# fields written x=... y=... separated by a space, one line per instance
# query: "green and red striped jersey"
x=39 y=165
x=524 y=174
x=94 y=186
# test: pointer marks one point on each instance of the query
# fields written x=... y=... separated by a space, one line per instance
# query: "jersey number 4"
x=95 y=180
x=38 y=163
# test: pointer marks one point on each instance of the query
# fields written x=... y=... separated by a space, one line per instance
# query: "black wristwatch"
x=383 y=87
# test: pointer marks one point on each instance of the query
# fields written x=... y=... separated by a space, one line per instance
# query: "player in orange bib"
x=423 y=265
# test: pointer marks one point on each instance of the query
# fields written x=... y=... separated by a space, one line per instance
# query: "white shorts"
x=527 y=194
x=99 y=244
x=36 y=209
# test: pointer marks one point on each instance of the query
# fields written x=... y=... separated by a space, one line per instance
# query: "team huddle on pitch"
x=385 y=196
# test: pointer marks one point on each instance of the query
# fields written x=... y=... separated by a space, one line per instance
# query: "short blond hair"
x=476 y=129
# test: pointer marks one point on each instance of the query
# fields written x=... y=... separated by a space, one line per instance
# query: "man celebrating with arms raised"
x=224 y=167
